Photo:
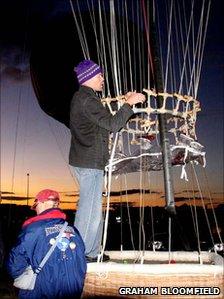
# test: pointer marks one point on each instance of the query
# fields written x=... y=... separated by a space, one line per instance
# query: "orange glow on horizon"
x=69 y=201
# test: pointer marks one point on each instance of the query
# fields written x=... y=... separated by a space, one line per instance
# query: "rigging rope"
x=203 y=204
x=81 y=34
x=93 y=20
x=212 y=206
x=186 y=51
x=202 y=50
x=115 y=60
x=196 y=216
x=103 y=47
x=147 y=37
x=129 y=48
x=119 y=56
x=128 y=211
x=168 y=47
x=24 y=143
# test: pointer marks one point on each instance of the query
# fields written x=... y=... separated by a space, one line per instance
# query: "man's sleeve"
x=17 y=259
x=98 y=114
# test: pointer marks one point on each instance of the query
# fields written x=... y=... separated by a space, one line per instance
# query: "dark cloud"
x=72 y=194
x=16 y=198
x=117 y=193
x=123 y=204
x=178 y=199
x=132 y=191
x=188 y=191
x=68 y=202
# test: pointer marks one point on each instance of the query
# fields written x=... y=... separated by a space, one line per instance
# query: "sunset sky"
x=34 y=143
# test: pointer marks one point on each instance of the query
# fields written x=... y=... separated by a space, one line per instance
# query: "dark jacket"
x=90 y=125
x=63 y=274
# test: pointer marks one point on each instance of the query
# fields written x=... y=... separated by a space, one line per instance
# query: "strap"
x=44 y=260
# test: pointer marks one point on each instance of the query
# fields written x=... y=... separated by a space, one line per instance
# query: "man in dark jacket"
x=63 y=274
x=90 y=125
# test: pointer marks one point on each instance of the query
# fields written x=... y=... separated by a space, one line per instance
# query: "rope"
x=114 y=47
x=134 y=74
x=202 y=50
x=192 y=214
x=24 y=142
x=128 y=66
x=93 y=20
x=203 y=204
x=141 y=213
x=100 y=257
x=121 y=215
x=196 y=216
x=186 y=49
x=22 y=60
x=15 y=142
x=213 y=210
x=128 y=211
x=196 y=51
x=122 y=37
x=145 y=18
x=168 y=46
x=81 y=34
x=129 y=48
x=160 y=40
x=151 y=212
x=139 y=54
x=169 y=237
x=103 y=48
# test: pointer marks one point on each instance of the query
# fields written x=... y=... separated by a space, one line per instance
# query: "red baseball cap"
x=45 y=195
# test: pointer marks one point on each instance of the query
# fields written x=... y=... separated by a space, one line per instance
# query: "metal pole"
x=27 y=188
x=164 y=139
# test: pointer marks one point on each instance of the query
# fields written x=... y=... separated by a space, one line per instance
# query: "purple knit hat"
x=86 y=70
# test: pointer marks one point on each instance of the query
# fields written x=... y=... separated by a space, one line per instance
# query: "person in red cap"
x=63 y=274
x=90 y=125
x=45 y=199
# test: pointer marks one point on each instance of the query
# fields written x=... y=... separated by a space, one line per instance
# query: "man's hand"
x=133 y=98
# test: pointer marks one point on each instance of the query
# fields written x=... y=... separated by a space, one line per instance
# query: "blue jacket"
x=63 y=274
